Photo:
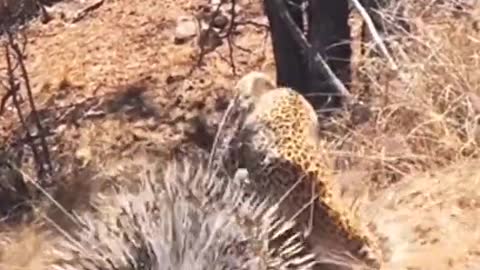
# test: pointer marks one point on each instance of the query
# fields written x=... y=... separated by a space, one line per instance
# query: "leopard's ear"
x=253 y=85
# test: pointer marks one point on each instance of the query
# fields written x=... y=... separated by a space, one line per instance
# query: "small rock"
x=220 y=21
x=185 y=30
x=241 y=175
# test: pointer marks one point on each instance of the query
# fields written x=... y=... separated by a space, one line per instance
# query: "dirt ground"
x=109 y=86
x=105 y=86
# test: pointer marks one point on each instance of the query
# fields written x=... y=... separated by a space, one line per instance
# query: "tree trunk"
x=290 y=64
x=329 y=34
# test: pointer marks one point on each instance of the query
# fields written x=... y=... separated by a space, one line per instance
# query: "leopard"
x=282 y=156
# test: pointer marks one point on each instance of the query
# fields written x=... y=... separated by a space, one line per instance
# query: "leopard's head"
x=251 y=87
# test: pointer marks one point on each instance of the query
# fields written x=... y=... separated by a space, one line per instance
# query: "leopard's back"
x=282 y=157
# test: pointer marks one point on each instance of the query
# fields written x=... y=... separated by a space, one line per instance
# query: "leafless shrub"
x=16 y=77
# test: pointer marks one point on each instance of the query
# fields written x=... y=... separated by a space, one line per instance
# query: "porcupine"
x=183 y=218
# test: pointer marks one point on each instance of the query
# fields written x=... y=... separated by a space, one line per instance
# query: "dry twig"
x=14 y=51
x=375 y=35
x=203 y=50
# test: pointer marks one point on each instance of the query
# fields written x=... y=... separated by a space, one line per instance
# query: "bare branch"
x=375 y=35
x=20 y=55
x=203 y=50
x=14 y=46
x=230 y=38
x=306 y=46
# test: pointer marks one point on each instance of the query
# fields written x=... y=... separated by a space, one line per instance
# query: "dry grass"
x=424 y=131
x=424 y=134
x=425 y=115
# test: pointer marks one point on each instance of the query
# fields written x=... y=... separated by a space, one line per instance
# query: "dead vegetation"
x=424 y=116
x=113 y=85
